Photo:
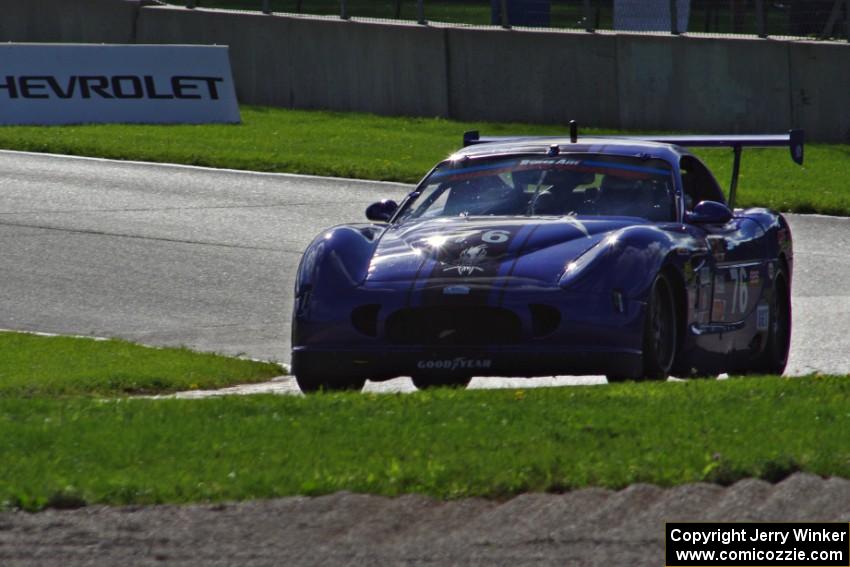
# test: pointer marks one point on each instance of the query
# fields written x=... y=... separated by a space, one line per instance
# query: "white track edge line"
x=269 y=174
x=206 y=168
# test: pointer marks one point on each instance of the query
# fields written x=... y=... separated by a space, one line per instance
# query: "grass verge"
x=445 y=443
x=404 y=149
x=32 y=365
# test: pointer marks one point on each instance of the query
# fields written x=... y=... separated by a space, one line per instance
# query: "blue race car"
x=535 y=256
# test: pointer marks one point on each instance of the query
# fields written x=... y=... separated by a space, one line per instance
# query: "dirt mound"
x=585 y=527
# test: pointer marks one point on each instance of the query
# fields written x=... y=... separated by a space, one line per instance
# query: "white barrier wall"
x=317 y=62
x=69 y=21
x=820 y=89
x=706 y=85
x=604 y=79
x=505 y=75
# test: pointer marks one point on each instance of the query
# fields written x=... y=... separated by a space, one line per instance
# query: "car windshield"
x=577 y=184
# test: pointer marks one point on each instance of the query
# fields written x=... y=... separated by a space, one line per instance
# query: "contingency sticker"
x=718 y=310
x=704 y=301
x=762 y=317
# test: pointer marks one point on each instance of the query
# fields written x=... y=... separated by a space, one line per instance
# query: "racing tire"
x=774 y=356
x=660 y=335
x=311 y=383
x=428 y=382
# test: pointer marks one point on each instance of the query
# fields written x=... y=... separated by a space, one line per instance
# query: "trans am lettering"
x=459 y=363
x=548 y=162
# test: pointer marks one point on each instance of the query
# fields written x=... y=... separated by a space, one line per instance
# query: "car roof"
x=585 y=144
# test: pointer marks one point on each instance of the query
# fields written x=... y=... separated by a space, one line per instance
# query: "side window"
x=698 y=183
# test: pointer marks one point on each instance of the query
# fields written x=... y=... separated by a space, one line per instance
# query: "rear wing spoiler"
x=793 y=139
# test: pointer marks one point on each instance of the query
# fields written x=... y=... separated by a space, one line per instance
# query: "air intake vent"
x=544 y=319
x=456 y=325
x=365 y=319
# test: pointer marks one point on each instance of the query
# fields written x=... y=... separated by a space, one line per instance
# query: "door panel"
x=739 y=253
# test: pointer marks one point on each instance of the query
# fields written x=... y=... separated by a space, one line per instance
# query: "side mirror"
x=382 y=211
x=709 y=212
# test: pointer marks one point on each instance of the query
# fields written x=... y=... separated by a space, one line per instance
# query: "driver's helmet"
x=645 y=198
x=566 y=180
x=617 y=195
x=560 y=196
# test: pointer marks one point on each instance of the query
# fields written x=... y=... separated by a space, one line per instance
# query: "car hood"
x=475 y=250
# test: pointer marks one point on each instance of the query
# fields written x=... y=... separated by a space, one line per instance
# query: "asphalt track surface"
x=185 y=256
x=171 y=255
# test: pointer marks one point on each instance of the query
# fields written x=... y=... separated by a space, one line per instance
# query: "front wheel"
x=310 y=383
x=659 y=332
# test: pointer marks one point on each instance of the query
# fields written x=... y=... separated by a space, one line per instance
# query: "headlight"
x=580 y=264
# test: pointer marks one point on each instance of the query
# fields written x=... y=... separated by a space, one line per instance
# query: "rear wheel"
x=310 y=383
x=426 y=382
x=774 y=357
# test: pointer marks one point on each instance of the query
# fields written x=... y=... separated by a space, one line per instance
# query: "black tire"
x=660 y=335
x=310 y=383
x=427 y=382
x=774 y=356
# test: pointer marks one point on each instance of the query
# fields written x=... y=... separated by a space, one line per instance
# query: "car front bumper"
x=516 y=361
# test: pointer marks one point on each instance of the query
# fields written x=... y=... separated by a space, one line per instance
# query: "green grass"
x=32 y=365
x=403 y=149
x=443 y=443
